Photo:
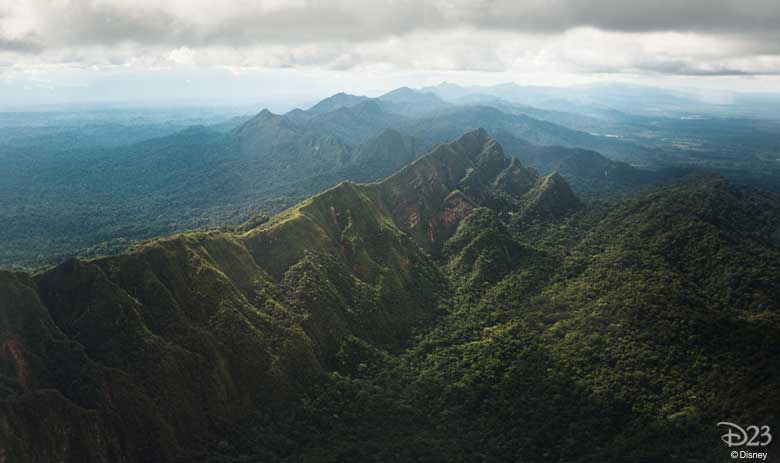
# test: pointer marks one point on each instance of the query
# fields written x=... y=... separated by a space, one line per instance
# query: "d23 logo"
x=752 y=436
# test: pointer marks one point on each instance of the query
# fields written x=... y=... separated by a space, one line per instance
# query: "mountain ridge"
x=189 y=302
x=464 y=299
x=220 y=176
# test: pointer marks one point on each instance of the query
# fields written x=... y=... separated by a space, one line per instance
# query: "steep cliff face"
x=142 y=356
x=433 y=194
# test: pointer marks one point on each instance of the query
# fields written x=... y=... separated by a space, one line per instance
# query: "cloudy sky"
x=158 y=50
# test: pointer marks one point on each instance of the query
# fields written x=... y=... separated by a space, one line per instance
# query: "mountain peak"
x=263 y=116
x=411 y=102
x=400 y=91
x=429 y=197
x=474 y=138
x=336 y=101
x=551 y=198
x=388 y=151
x=406 y=94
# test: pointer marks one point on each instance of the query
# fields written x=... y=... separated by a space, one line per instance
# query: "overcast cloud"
x=700 y=38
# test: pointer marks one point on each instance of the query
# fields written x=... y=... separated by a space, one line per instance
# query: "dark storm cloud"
x=27 y=44
x=248 y=22
x=99 y=23
x=717 y=16
x=88 y=23
x=18 y=46
x=680 y=37
x=682 y=68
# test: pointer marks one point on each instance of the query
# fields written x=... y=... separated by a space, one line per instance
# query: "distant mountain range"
x=77 y=199
x=619 y=101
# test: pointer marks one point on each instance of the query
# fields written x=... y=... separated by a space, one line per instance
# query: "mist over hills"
x=615 y=101
x=100 y=192
x=458 y=310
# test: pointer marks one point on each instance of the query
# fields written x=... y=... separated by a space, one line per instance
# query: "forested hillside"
x=466 y=308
